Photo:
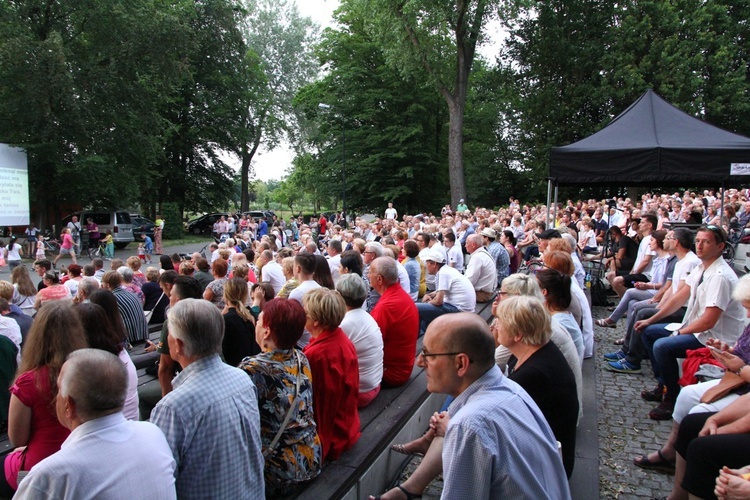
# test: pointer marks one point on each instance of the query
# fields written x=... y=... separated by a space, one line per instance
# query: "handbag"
x=291 y=409
x=729 y=382
x=150 y=313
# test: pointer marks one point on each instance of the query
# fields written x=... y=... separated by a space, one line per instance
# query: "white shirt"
x=333 y=264
x=273 y=273
x=481 y=271
x=390 y=213
x=109 y=457
x=403 y=278
x=643 y=250
x=459 y=291
x=302 y=289
x=456 y=257
x=9 y=328
x=683 y=268
x=130 y=408
x=365 y=334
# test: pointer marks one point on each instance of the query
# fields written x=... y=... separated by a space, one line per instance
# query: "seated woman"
x=335 y=371
x=156 y=300
x=287 y=265
x=642 y=290
x=281 y=375
x=689 y=399
x=214 y=292
x=365 y=334
x=53 y=290
x=623 y=253
x=524 y=327
x=32 y=423
x=557 y=298
x=239 y=323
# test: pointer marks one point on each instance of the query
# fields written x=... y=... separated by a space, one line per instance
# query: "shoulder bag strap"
x=291 y=408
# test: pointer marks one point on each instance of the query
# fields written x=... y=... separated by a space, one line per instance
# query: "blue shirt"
x=502 y=260
x=212 y=424
x=498 y=445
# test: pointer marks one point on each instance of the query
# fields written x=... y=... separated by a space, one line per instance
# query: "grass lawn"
x=187 y=240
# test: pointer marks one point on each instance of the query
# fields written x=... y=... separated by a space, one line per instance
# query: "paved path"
x=617 y=431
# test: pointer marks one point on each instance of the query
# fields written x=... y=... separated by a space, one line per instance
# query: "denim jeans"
x=666 y=352
x=649 y=336
x=428 y=312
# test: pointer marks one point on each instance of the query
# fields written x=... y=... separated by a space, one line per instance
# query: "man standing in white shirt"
x=390 y=212
x=92 y=389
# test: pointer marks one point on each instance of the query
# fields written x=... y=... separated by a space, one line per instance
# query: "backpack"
x=598 y=293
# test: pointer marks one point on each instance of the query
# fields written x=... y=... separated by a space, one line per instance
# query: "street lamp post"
x=343 y=160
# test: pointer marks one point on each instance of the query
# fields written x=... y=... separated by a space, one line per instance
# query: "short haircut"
x=522 y=284
x=426 y=237
x=220 y=268
x=740 y=293
x=53 y=276
x=4 y=304
x=352 y=260
x=112 y=279
x=126 y=273
x=469 y=334
x=475 y=239
x=134 y=263
x=651 y=218
x=168 y=277
x=241 y=270
x=203 y=265
x=74 y=270
x=88 y=285
x=411 y=249
x=6 y=290
x=286 y=321
x=561 y=261
x=557 y=286
x=89 y=270
x=720 y=236
x=376 y=248
x=199 y=325
x=685 y=237
x=559 y=245
x=96 y=380
x=288 y=265
x=525 y=316
x=353 y=289
x=307 y=262
x=335 y=245
x=450 y=236
x=325 y=306
x=387 y=268
x=268 y=291
x=47 y=265
x=187 y=287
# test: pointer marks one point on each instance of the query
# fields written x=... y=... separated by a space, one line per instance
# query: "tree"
x=441 y=39
x=280 y=47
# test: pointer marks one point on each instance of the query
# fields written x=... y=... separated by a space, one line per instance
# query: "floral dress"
x=296 y=458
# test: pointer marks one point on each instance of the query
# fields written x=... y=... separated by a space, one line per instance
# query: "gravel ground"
x=625 y=431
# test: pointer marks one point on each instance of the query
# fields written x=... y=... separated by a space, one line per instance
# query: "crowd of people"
x=281 y=332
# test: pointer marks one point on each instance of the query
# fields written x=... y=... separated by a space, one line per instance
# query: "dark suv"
x=257 y=214
x=142 y=225
x=205 y=223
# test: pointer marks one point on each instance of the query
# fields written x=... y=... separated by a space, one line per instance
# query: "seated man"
x=492 y=426
x=498 y=252
x=105 y=456
x=482 y=271
x=130 y=307
x=711 y=313
x=398 y=319
x=641 y=270
x=212 y=410
x=453 y=293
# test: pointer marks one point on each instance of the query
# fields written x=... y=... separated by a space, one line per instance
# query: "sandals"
x=409 y=496
x=401 y=448
x=619 y=341
x=661 y=465
x=606 y=323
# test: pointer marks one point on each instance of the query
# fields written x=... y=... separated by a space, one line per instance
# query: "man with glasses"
x=711 y=313
x=493 y=425
x=373 y=250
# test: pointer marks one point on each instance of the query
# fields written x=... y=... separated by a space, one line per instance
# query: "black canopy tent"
x=651 y=143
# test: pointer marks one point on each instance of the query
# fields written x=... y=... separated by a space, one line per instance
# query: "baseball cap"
x=549 y=234
x=436 y=256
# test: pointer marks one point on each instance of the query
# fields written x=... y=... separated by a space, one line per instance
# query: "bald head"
x=466 y=333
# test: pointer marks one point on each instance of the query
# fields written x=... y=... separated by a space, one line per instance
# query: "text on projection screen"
x=14 y=186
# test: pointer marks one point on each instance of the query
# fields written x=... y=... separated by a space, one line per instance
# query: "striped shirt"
x=132 y=314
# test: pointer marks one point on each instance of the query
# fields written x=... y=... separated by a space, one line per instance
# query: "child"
x=40 y=246
x=148 y=247
x=142 y=252
x=109 y=246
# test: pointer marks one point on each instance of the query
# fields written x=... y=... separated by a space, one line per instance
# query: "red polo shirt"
x=335 y=380
x=398 y=319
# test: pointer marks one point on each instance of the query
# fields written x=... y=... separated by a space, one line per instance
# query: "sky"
x=274 y=164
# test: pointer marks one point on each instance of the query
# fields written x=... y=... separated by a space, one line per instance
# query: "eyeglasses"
x=365 y=252
x=426 y=355
x=718 y=231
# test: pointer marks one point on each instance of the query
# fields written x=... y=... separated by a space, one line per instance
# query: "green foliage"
x=172 y=221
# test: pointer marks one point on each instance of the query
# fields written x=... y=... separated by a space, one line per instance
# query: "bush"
x=172 y=222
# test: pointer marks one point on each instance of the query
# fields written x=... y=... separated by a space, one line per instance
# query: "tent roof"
x=651 y=142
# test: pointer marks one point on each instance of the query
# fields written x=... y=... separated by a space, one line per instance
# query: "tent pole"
x=721 y=216
x=555 y=212
x=549 y=198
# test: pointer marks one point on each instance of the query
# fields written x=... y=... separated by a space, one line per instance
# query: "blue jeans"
x=666 y=352
x=649 y=336
x=428 y=312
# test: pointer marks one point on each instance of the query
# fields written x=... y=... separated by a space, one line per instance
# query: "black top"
x=152 y=292
x=550 y=382
x=239 y=338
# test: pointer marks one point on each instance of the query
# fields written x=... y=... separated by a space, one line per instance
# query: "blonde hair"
x=6 y=290
x=288 y=265
x=325 y=306
x=134 y=263
x=235 y=295
x=522 y=284
x=525 y=316
x=240 y=270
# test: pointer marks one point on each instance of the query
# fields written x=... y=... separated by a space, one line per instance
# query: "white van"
x=116 y=221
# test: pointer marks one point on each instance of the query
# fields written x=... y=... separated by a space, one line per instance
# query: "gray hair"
x=522 y=284
x=387 y=268
x=126 y=273
x=96 y=380
x=353 y=289
x=87 y=286
x=376 y=248
x=741 y=290
x=199 y=325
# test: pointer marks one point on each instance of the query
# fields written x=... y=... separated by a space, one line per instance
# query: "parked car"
x=205 y=223
x=116 y=221
x=257 y=214
x=142 y=225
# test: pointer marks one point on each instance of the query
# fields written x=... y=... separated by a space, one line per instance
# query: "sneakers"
x=663 y=411
x=623 y=366
x=615 y=356
x=655 y=396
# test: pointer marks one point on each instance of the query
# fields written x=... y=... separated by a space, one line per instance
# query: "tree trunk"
x=455 y=151
x=247 y=158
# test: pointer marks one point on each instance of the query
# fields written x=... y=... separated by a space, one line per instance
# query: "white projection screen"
x=14 y=186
